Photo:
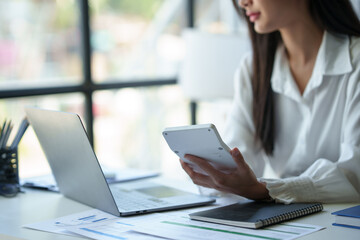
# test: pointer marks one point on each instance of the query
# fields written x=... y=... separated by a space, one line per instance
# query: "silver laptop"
x=78 y=174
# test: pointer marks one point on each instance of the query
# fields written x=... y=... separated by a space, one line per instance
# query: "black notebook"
x=256 y=214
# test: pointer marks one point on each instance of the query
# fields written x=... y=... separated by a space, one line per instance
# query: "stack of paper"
x=96 y=224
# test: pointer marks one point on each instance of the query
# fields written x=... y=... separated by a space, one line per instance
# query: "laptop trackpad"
x=161 y=191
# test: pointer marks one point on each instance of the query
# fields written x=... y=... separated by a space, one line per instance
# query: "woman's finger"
x=203 y=164
x=217 y=176
x=197 y=178
x=238 y=158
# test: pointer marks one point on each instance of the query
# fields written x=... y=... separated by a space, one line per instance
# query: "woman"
x=296 y=105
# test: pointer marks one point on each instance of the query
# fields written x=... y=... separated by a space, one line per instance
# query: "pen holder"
x=9 y=167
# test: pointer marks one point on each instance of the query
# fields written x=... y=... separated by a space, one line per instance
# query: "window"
x=128 y=133
x=120 y=76
x=39 y=43
x=32 y=161
x=136 y=39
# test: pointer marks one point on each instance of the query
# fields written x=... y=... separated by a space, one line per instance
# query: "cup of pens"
x=9 y=163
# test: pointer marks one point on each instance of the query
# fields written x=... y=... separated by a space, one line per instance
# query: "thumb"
x=238 y=157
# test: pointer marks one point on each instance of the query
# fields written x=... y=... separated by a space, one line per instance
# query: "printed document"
x=96 y=224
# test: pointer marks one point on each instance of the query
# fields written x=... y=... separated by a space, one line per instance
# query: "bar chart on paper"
x=95 y=224
x=180 y=227
x=58 y=225
x=177 y=225
x=118 y=228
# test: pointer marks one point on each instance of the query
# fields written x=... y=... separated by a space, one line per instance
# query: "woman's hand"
x=241 y=180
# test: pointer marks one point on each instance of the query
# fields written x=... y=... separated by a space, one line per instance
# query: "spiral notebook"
x=256 y=214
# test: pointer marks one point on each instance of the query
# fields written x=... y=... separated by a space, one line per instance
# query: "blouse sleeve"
x=327 y=181
x=239 y=128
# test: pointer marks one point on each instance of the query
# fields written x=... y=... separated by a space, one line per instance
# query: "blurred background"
x=117 y=63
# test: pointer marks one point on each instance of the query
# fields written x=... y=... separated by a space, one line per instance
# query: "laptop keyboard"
x=132 y=200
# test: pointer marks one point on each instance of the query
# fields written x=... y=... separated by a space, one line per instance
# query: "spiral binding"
x=290 y=215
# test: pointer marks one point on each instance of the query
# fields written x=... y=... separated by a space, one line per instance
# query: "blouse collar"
x=333 y=59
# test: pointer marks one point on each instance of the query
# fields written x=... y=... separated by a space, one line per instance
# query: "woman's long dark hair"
x=335 y=16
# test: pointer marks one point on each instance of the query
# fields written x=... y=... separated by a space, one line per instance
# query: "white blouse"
x=317 y=142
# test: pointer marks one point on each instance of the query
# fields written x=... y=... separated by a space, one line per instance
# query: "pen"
x=2 y=134
x=23 y=126
x=7 y=135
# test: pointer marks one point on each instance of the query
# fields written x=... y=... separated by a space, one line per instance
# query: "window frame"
x=88 y=86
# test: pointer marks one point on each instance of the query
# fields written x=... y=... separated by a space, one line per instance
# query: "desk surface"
x=37 y=205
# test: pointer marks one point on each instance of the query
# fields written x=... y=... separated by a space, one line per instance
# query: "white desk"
x=37 y=205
